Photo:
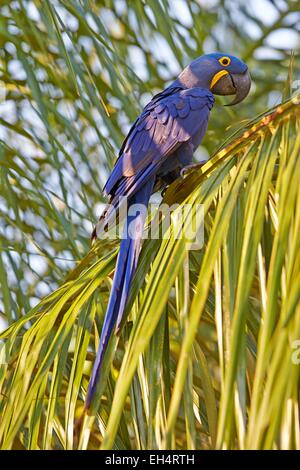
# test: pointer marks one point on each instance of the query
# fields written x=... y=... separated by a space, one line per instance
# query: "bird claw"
x=183 y=172
x=193 y=166
x=163 y=192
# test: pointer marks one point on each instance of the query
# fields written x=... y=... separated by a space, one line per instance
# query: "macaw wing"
x=169 y=120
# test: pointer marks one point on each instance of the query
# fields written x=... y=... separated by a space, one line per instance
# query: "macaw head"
x=222 y=74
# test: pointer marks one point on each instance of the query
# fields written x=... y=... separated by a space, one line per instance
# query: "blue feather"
x=125 y=268
x=161 y=138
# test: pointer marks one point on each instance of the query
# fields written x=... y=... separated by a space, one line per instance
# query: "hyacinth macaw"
x=159 y=145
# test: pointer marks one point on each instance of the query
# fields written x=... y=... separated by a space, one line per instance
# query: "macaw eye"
x=225 y=61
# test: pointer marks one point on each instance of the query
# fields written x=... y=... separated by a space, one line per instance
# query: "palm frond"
x=206 y=357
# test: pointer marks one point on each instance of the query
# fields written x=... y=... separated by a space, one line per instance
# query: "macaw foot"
x=163 y=192
x=193 y=166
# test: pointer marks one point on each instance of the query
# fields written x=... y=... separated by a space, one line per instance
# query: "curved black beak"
x=237 y=84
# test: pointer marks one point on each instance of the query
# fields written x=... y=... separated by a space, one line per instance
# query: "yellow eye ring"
x=225 y=61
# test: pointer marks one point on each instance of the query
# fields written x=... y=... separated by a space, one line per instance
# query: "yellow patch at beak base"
x=217 y=77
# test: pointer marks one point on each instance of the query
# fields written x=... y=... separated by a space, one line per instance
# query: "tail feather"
x=125 y=268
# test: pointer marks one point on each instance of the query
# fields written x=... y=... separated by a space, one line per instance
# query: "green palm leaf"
x=208 y=357
x=250 y=197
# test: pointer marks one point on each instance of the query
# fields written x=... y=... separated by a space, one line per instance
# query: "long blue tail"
x=125 y=268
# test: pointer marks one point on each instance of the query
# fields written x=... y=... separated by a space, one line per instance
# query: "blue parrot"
x=160 y=143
